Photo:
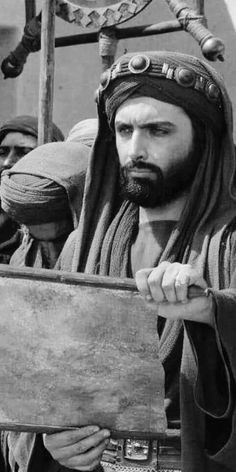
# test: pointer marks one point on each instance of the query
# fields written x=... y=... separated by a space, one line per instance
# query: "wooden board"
x=78 y=350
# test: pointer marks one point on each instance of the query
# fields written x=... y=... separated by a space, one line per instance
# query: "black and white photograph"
x=117 y=236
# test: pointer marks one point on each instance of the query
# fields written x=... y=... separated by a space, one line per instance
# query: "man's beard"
x=165 y=187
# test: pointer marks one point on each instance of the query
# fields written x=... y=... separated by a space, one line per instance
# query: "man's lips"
x=141 y=171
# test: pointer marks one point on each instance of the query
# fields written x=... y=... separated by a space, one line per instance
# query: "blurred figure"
x=18 y=136
x=84 y=131
x=44 y=191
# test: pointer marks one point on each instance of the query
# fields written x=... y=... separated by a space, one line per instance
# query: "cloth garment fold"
x=84 y=132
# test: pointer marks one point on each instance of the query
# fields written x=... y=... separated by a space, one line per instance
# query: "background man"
x=160 y=205
x=44 y=192
x=18 y=136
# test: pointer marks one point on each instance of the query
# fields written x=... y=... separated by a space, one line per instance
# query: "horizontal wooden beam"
x=99 y=281
x=121 y=33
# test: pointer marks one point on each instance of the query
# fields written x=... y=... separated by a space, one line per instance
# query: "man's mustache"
x=141 y=165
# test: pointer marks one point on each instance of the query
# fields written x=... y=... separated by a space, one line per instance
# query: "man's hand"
x=79 y=449
x=168 y=284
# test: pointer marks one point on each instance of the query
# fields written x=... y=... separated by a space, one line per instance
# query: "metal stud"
x=139 y=64
x=213 y=91
x=185 y=77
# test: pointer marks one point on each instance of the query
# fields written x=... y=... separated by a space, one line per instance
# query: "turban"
x=46 y=185
x=32 y=199
x=173 y=78
x=27 y=125
x=84 y=132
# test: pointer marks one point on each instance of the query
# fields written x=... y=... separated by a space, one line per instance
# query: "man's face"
x=154 y=142
x=13 y=147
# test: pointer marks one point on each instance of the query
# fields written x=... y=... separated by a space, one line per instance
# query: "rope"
x=191 y=22
x=188 y=17
x=107 y=43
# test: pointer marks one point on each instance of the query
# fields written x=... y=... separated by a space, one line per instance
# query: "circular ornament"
x=99 y=13
x=138 y=64
x=213 y=92
x=185 y=77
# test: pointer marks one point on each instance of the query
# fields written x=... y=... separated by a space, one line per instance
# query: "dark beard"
x=166 y=187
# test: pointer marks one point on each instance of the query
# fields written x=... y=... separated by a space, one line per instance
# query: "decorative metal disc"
x=99 y=13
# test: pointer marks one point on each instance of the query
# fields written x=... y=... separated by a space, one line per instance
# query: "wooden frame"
x=99 y=13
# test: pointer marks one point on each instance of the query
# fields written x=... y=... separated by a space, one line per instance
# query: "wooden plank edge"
x=123 y=434
x=70 y=278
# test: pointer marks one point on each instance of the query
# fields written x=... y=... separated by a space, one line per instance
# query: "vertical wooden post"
x=200 y=7
x=46 y=81
x=30 y=10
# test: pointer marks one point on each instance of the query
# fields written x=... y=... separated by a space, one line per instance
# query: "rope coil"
x=107 y=42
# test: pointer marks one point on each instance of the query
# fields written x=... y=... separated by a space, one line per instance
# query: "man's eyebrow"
x=167 y=124
x=121 y=122
x=20 y=146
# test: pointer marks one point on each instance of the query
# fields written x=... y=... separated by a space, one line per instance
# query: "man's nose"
x=137 y=147
x=10 y=159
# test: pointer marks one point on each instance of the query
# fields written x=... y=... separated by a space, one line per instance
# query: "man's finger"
x=68 y=437
x=87 y=460
x=83 y=446
x=182 y=282
x=141 y=279
x=155 y=281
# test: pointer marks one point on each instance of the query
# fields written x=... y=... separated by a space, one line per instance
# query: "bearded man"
x=160 y=206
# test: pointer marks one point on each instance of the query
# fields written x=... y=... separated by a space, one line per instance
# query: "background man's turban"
x=28 y=125
x=84 y=132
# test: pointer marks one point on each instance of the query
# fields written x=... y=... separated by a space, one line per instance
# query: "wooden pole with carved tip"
x=200 y=7
x=30 y=10
x=46 y=82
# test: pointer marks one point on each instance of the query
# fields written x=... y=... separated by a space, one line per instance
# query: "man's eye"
x=124 y=130
x=22 y=151
x=3 y=151
x=155 y=131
